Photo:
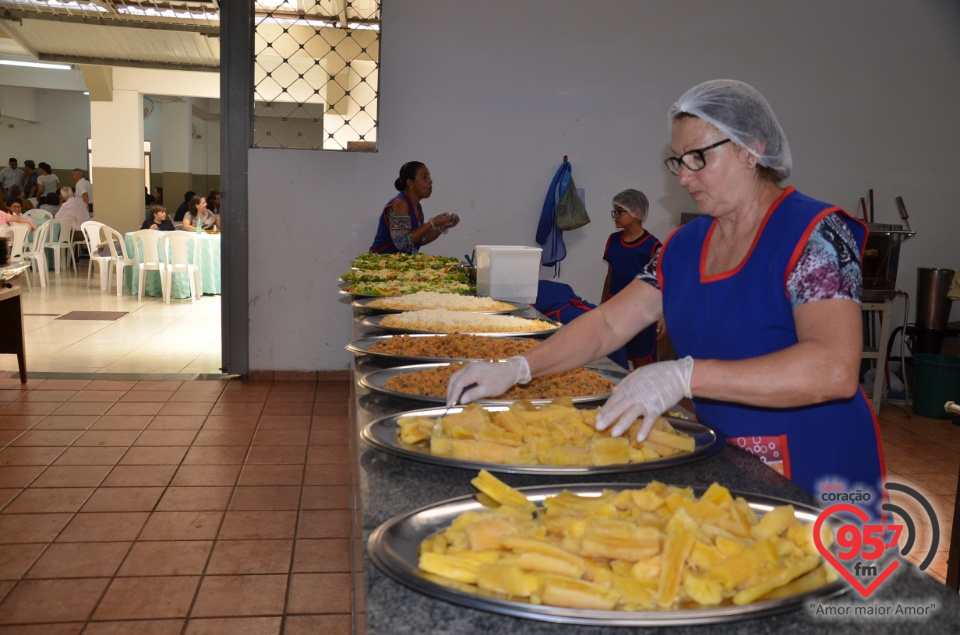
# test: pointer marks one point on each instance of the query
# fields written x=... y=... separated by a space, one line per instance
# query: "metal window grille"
x=316 y=71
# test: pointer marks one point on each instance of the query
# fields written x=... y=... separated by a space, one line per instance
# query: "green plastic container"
x=936 y=380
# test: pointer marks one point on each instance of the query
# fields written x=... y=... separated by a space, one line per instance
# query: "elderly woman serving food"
x=761 y=296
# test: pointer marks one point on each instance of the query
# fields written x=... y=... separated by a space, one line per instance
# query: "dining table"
x=209 y=271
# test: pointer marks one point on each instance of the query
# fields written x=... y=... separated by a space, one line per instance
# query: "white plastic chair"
x=120 y=259
x=92 y=238
x=19 y=233
x=147 y=258
x=181 y=250
x=38 y=256
x=38 y=214
x=33 y=201
x=63 y=243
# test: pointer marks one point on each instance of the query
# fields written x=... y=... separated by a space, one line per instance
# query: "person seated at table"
x=50 y=203
x=158 y=219
x=401 y=228
x=214 y=201
x=17 y=194
x=70 y=205
x=158 y=195
x=185 y=207
x=13 y=216
x=198 y=209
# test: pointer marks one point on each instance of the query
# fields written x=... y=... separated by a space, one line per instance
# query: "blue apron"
x=383 y=242
x=746 y=313
x=626 y=260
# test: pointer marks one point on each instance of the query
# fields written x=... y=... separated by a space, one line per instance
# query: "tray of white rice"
x=443 y=321
x=423 y=300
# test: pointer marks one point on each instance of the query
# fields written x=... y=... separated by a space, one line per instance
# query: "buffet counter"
x=388 y=485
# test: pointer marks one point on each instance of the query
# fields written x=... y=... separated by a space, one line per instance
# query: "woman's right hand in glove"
x=486 y=379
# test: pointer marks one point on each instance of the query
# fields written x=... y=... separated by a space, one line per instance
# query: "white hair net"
x=740 y=112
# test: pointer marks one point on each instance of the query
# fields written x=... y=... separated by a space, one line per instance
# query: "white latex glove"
x=648 y=392
x=486 y=379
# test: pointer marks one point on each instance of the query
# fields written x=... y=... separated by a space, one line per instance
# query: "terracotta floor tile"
x=182 y=422
x=193 y=525
x=334 y=523
x=326 y=624
x=259 y=525
x=155 y=597
x=5 y=587
x=10 y=395
x=273 y=455
x=158 y=384
x=334 y=422
x=91 y=456
x=233 y=557
x=30 y=408
x=109 y=396
x=329 y=437
x=7 y=436
x=165 y=437
x=20 y=475
x=228 y=397
x=326 y=497
x=47 y=395
x=46 y=438
x=154 y=456
x=331 y=408
x=35 y=601
x=80 y=560
x=128 y=409
x=285 y=422
x=110 y=384
x=215 y=455
x=193 y=396
x=44 y=500
x=138 y=627
x=223 y=437
x=18 y=422
x=21 y=528
x=293 y=386
x=64 y=384
x=322 y=556
x=237 y=626
x=231 y=422
x=140 y=476
x=103 y=527
x=288 y=408
x=72 y=476
x=206 y=475
x=175 y=557
x=123 y=499
x=327 y=475
x=122 y=422
x=281 y=437
x=195 y=499
x=333 y=393
x=29 y=455
x=106 y=438
x=320 y=593
x=233 y=595
x=172 y=408
x=221 y=408
x=266 y=498
x=16 y=559
x=271 y=475
x=328 y=455
x=290 y=396
x=82 y=408
x=147 y=395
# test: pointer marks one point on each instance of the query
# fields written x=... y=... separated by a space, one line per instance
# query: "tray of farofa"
x=442 y=321
x=610 y=554
x=558 y=442
x=452 y=347
x=428 y=382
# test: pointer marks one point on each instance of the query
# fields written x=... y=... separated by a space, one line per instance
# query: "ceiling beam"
x=112 y=20
x=102 y=61
x=14 y=34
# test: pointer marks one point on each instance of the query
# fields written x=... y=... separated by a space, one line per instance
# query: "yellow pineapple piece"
x=531 y=561
x=450 y=566
x=702 y=588
x=501 y=437
x=484 y=451
x=567 y=455
x=520 y=544
x=734 y=570
x=635 y=595
x=777 y=578
x=704 y=556
x=804 y=584
x=509 y=421
x=647 y=569
x=441 y=446
x=647 y=499
x=681 y=534
x=577 y=594
x=413 y=430
x=617 y=539
x=609 y=451
x=500 y=491
x=774 y=522
x=486 y=534
x=675 y=440
x=718 y=495
x=507 y=579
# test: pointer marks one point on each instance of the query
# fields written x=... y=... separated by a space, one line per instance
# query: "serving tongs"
x=903 y=212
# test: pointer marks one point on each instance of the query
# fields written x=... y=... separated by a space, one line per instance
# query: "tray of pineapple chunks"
x=522 y=438
x=610 y=554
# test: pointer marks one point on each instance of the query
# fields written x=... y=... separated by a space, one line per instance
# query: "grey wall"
x=492 y=95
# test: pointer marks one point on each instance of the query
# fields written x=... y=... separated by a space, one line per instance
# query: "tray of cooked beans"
x=428 y=382
x=425 y=347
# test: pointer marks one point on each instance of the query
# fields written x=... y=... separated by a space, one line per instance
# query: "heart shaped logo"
x=825 y=551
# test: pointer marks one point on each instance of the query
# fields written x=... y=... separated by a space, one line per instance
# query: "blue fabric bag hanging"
x=549 y=237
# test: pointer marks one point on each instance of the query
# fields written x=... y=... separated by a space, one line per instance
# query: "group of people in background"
x=195 y=209
x=36 y=186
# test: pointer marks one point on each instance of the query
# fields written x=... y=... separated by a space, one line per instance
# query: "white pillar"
x=116 y=132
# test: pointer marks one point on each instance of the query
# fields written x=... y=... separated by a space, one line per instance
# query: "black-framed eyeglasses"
x=694 y=160
x=615 y=213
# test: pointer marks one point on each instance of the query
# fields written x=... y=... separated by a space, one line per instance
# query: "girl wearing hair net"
x=761 y=296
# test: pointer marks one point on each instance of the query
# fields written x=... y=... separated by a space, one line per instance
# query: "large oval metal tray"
x=393 y=547
x=362 y=347
x=377 y=380
x=382 y=434
x=375 y=321
x=364 y=303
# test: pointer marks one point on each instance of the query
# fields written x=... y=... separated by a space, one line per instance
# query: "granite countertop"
x=389 y=485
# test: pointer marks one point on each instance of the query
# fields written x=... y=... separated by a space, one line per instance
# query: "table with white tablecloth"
x=209 y=271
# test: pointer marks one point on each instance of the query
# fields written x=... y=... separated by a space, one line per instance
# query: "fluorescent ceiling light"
x=59 y=67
